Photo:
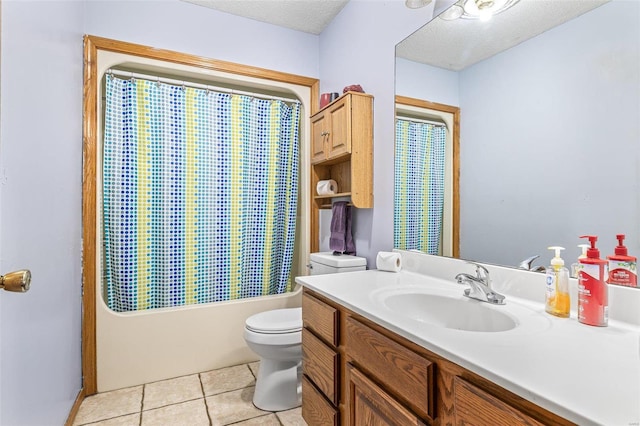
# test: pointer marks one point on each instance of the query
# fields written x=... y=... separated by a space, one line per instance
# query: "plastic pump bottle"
x=557 y=300
x=593 y=294
x=575 y=267
x=622 y=267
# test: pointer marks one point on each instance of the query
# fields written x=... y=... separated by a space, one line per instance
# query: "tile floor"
x=218 y=397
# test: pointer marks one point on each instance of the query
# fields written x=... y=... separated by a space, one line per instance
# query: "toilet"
x=276 y=337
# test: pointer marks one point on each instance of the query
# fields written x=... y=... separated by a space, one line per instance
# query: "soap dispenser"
x=593 y=296
x=575 y=267
x=557 y=294
x=622 y=267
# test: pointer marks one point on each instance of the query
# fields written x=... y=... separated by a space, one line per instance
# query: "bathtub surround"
x=138 y=347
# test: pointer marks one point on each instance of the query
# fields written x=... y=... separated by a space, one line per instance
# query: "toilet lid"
x=276 y=321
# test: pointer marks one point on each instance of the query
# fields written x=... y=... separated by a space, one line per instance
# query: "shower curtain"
x=200 y=194
x=419 y=186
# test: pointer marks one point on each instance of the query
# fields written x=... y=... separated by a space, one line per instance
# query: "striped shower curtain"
x=200 y=194
x=419 y=186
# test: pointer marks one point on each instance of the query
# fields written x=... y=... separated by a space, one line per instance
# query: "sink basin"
x=458 y=313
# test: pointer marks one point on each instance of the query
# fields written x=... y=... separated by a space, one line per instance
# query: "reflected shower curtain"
x=200 y=195
x=419 y=186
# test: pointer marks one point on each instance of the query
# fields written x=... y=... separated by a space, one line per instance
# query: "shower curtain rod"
x=195 y=85
x=419 y=120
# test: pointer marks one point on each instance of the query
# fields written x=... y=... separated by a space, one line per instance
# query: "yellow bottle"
x=557 y=300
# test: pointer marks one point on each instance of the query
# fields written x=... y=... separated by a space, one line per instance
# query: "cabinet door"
x=371 y=406
x=319 y=135
x=340 y=132
x=474 y=406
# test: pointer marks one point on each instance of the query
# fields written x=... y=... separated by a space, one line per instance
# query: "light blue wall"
x=358 y=47
x=189 y=28
x=422 y=81
x=550 y=141
x=40 y=208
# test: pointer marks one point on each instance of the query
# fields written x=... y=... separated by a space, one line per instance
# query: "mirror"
x=549 y=128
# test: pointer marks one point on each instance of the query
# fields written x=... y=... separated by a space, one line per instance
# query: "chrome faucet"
x=528 y=262
x=480 y=286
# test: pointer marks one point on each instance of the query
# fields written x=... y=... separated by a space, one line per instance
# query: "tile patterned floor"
x=218 y=397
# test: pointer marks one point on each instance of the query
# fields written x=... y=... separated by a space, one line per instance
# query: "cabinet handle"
x=324 y=134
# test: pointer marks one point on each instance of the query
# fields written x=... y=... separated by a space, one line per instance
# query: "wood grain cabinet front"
x=370 y=405
x=320 y=362
x=408 y=376
x=359 y=373
x=474 y=406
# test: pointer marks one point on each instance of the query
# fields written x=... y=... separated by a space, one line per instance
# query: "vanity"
x=408 y=348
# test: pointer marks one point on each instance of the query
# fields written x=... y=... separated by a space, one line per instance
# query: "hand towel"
x=341 y=239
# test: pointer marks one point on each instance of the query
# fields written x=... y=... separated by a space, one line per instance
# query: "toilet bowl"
x=276 y=337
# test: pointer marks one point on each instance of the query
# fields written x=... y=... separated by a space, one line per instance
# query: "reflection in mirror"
x=549 y=127
x=426 y=209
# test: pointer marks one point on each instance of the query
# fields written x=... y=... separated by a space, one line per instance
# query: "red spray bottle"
x=593 y=303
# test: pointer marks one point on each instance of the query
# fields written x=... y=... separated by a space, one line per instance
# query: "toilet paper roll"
x=388 y=261
x=327 y=187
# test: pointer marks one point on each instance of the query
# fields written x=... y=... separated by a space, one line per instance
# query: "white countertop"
x=588 y=375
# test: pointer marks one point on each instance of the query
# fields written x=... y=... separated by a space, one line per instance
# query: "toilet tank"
x=328 y=263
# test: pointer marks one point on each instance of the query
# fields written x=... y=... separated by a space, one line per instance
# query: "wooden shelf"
x=340 y=194
x=342 y=150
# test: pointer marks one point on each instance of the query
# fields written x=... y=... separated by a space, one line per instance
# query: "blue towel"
x=341 y=239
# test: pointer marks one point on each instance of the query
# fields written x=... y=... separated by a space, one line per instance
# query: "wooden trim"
x=89 y=128
x=74 y=409
x=455 y=111
x=92 y=45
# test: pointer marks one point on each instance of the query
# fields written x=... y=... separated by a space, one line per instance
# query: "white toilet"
x=276 y=336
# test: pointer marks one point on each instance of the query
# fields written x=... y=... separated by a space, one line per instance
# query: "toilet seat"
x=278 y=321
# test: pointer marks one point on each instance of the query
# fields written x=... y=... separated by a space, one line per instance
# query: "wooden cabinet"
x=475 y=406
x=331 y=128
x=320 y=362
x=358 y=373
x=342 y=150
x=370 y=405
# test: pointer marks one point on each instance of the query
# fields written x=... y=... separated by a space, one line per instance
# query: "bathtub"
x=134 y=348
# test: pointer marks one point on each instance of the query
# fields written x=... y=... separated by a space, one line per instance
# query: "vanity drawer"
x=409 y=376
x=321 y=318
x=316 y=411
x=474 y=406
x=320 y=364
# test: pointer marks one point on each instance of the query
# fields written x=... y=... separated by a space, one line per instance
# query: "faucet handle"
x=481 y=272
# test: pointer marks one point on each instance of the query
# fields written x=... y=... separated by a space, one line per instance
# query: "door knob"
x=18 y=281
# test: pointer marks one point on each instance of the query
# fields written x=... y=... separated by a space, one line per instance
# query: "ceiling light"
x=477 y=9
x=454 y=12
x=416 y=4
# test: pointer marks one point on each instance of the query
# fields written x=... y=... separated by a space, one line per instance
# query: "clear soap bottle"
x=557 y=300
x=575 y=267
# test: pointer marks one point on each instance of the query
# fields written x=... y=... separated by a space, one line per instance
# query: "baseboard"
x=75 y=408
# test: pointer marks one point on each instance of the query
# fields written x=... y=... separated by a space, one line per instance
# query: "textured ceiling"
x=452 y=45
x=457 y=44
x=310 y=16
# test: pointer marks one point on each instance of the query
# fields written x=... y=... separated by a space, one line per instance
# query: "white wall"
x=358 y=47
x=40 y=199
x=562 y=107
